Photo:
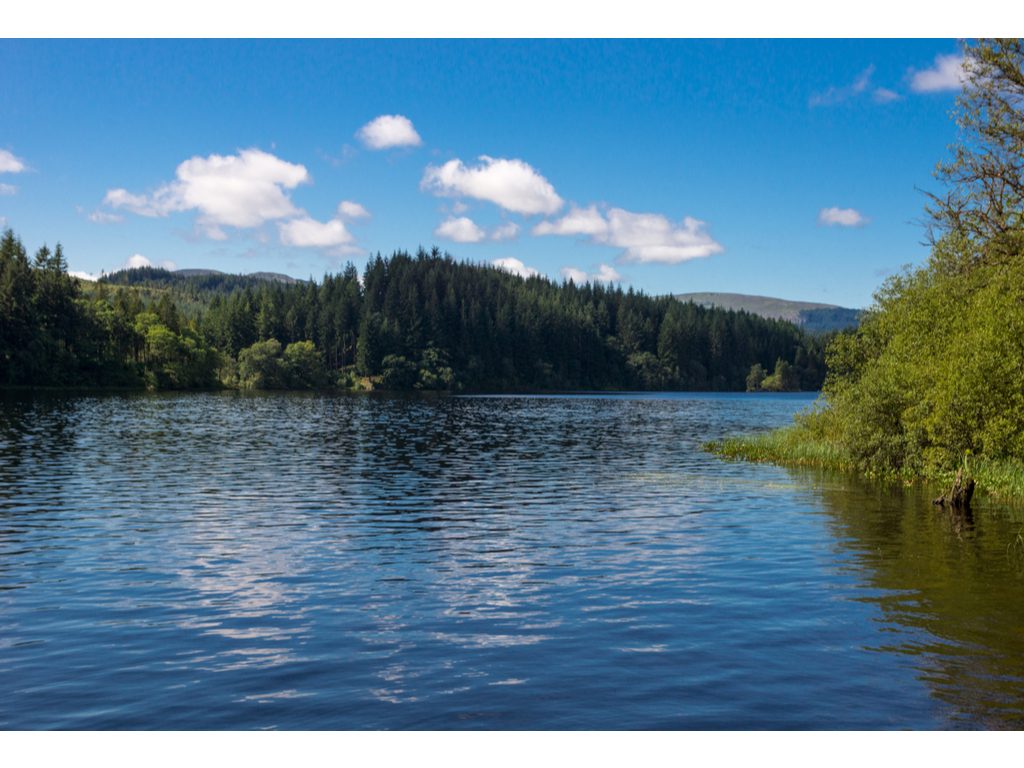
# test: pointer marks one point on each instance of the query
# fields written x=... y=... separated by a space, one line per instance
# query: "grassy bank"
x=793 y=446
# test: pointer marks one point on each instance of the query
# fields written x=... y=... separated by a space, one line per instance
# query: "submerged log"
x=959 y=496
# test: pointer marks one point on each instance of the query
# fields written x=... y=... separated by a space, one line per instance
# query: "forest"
x=423 y=321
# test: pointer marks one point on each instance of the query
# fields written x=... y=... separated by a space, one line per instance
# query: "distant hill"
x=810 y=316
x=192 y=290
x=270 y=276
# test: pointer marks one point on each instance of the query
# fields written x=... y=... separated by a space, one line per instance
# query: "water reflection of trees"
x=947 y=582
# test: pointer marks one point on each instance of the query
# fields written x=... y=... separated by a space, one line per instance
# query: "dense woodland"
x=409 y=322
x=935 y=371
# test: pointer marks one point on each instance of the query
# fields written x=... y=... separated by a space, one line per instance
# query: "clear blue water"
x=310 y=561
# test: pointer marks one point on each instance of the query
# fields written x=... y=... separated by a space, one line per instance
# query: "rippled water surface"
x=233 y=561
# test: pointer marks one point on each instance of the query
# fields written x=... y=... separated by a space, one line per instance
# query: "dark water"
x=224 y=561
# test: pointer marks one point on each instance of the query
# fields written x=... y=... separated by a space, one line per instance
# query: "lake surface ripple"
x=308 y=561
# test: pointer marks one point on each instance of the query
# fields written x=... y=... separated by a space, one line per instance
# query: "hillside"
x=268 y=276
x=808 y=315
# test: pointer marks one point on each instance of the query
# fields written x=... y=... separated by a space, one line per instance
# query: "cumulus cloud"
x=138 y=260
x=511 y=184
x=604 y=274
x=11 y=164
x=844 y=217
x=464 y=230
x=647 y=237
x=506 y=231
x=578 y=221
x=459 y=230
x=8 y=189
x=242 y=191
x=946 y=75
x=389 y=131
x=305 y=231
x=351 y=211
x=516 y=267
x=83 y=275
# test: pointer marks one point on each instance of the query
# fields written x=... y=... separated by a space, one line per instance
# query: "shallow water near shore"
x=344 y=561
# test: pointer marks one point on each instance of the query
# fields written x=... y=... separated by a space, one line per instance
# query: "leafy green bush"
x=934 y=369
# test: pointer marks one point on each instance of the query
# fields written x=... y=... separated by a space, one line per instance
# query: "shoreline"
x=997 y=479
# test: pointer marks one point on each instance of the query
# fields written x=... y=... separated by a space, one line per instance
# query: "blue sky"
x=779 y=168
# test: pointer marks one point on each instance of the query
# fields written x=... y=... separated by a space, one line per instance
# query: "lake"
x=365 y=561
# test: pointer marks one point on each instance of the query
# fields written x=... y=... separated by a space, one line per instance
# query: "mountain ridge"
x=810 y=315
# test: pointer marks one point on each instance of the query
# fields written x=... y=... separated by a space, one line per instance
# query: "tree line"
x=423 y=321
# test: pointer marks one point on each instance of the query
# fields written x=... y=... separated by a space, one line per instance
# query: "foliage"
x=757 y=375
x=305 y=366
x=784 y=379
x=934 y=369
x=411 y=322
x=984 y=202
x=264 y=366
x=429 y=322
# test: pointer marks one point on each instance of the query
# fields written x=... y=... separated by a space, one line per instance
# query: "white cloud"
x=459 y=230
x=137 y=204
x=947 y=75
x=138 y=260
x=844 y=217
x=8 y=189
x=465 y=230
x=578 y=221
x=516 y=267
x=884 y=95
x=859 y=86
x=3 y=222
x=578 y=276
x=243 y=191
x=647 y=237
x=861 y=83
x=83 y=275
x=240 y=191
x=604 y=274
x=11 y=164
x=389 y=131
x=506 y=231
x=459 y=207
x=304 y=232
x=512 y=184
x=100 y=217
x=350 y=211
x=836 y=95
x=607 y=275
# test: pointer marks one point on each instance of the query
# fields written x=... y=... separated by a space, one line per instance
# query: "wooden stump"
x=959 y=496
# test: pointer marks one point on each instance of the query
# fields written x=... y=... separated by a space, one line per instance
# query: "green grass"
x=792 y=446
x=789 y=445
x=998 y=478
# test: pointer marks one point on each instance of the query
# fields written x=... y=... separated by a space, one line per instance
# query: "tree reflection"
x=949 y=585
